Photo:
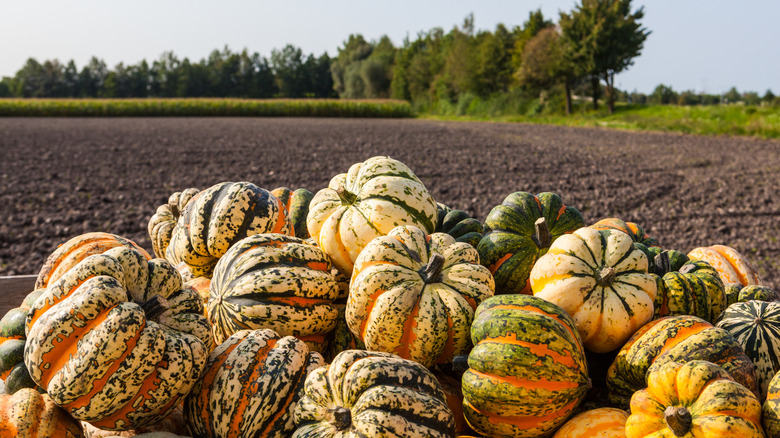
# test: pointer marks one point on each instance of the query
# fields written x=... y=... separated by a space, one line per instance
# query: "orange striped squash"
x=250 y=385
x=70 y=253
x=600 y=422
x=527 y=371
x=30 y=414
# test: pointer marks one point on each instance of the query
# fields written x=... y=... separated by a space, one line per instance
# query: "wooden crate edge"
x=16 y=284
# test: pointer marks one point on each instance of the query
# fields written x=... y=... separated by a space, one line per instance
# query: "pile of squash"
x=367 y=309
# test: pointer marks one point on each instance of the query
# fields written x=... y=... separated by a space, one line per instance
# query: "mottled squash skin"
x=163 y=221
x=687 y=287
x=600 y=422
x=297 y=205
x=634 y=230
x=695 y=399
x=527 y=371
x=732 y=266
x=30 y=414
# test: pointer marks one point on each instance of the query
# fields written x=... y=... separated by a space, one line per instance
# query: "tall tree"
x=605 y=36
x=542 y=63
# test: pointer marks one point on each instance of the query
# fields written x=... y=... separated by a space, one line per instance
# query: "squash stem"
x=542 y=237
x=340 y=417
x=432 y=273
x=154 y=307
x=346 y=197
x=606 y=276
x=679 y=420
x=662 y=263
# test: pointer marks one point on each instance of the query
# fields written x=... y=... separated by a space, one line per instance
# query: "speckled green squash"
x=163 y=221
x=274 y=281
x=687 y=287
x=675 y=339
x=517 y=238
x=372 y=394
x=116 y=341
x=736 y=293
x=771 y=408
x=634 y=230
x=756 y=326
x=341 y=338
x=297 y=205
x=220 y=216
x=12 y=339
x=250 y=385
x=527 y=371
x=459 y=224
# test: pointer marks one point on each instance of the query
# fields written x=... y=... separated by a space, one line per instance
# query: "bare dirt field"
x=64 y=177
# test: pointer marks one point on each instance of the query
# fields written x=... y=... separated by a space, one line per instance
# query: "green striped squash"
x=414 y=295
x=527 y=371
x=600 y=278
x=297 y=205
x=368 y=201
x=521 y=230
x=274 y=281
x=373 y=394
x=771 y=408
x=688 y=287
x=249 y=386
x=736 y=293
x=459 y=224
x=341 y=338
x=163 y=221
x=116 y=341
x=220 y=216
x=675 y=339
x=756 y=326
x=13 y=371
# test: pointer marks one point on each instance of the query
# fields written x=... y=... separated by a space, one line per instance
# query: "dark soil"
x=64 y=177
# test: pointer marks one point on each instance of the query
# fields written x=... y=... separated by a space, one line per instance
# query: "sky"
x=705 y=46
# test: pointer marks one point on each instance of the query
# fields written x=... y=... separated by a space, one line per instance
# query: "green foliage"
x=663 y=95
x=363 y=69
x=203 y=108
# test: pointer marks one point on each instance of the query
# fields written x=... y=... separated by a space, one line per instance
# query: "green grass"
x=204 y=108
x=756 y=121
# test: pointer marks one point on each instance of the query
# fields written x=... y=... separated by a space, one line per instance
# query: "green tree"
x=532 y=26
x=663 y=95
x=494 y=70
x=287 y=65
x=542 y=63
x=769 y=97
x=605 y=36
x=732 y=96
x=92 y=77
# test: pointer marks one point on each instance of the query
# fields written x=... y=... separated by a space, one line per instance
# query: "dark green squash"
x=12 y=339
x=459 y=224
x=687 y=287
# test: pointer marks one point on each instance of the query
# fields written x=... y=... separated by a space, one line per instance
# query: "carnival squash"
x=459 y=224
x=250 y=386
x=634 y=230
x=414 y=295
x=297 y=205
x=771 y=408
x=732 y=266
x=599 y=278
x=599 y=422
x=521 y=230
x=163 y=221
x=372 y=394
x=687 y=287
x=368 y=201
x=220 y=216
x=695 y=399
x=527 y=371
x=30 y=414
x=116 y=341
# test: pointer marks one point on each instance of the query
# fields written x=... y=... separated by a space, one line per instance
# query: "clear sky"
x=695 y=44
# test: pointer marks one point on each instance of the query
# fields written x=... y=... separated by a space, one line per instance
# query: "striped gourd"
x=695 y=399
x=527 y=371
x=13 y=371
x=634 y=230
x=70 y=253
x=756 y=326
x=368 y=201
x=297 y=205
x=172 y=426
x=220 y=216
x=771 y=408
x=732 y=266
x=372 y=394
x=250 y=385
x=116 y=341
x=687 y=287
x=163 y=221
x=599 y=422
x=459 y=224
x=599 y=278
x=521 y=230
x=736 y=293
x=414 y=295
x=274 y=281
x=675 y=339
x=29 y=414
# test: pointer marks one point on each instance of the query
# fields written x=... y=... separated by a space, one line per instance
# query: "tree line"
x=541 y=61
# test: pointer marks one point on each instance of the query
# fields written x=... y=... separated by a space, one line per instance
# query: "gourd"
x=599 y=278
x=771 y=408
x=527 y=372
x=414 y=295
x=756 y=327
x=732 y=266
x=599 y=422
x=736 y=293
x=163 y=221
x=372 y=394
x=687 y=287
x=116 y=341
x=695 y=399
x=675 y=339
x=220 y=216
x=458 y=224
x=30 y=414
x=13 y=371
x=297 y=205
x=273 y=281
x=250 y=385
x=634 y=230
x=368 y=201
x=521 y=230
